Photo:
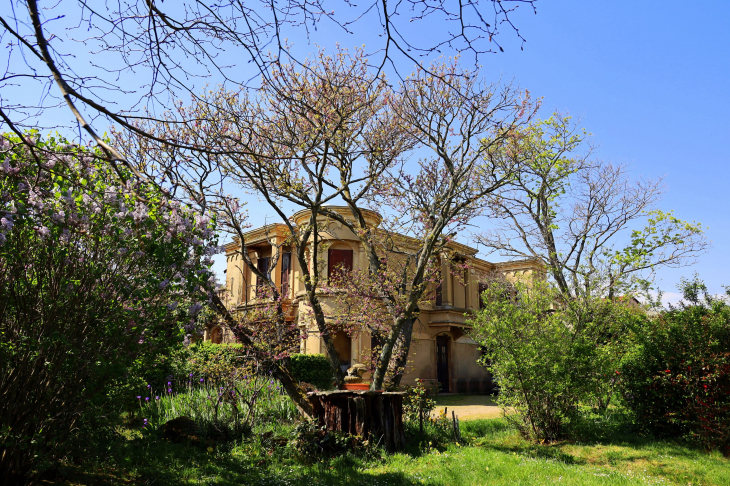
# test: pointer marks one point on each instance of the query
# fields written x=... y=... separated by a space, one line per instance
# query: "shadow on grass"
x=153 y=461
x=596 y=437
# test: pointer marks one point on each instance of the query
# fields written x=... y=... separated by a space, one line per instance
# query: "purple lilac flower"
x=149 y=386
x=201 y=380
x=146 y=399
x=195 y=309
x=139 y=397
x=169 y=390
x=157 y=398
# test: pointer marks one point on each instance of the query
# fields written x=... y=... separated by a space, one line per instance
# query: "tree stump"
x=364 y=413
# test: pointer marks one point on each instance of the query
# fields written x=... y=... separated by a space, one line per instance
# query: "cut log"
x=374 y=414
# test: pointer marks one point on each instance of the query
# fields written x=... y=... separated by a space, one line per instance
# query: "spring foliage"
x=677 y=375
x=548 y=354
x=95 y=280
x=314 y=369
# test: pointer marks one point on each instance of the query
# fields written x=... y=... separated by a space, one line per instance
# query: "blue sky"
x=650 y=80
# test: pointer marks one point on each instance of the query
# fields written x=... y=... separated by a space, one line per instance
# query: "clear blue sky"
x=650 y=80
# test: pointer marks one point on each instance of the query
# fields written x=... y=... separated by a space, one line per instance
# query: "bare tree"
x=299 y=141
x=335 y=131
x=142 y=56
x=581 y=216
x=127 y=61
x=461 y=122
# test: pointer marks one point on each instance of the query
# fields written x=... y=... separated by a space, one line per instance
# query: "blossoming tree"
x=330 y=131
x=93 y=278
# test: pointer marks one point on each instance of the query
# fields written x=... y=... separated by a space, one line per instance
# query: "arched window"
x=216 y=335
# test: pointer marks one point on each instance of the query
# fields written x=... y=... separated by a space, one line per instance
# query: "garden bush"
x=676 y=379
x=314 y=369
x=219 y=362
x=93 y=283
x=420 y=400
x=550 y=355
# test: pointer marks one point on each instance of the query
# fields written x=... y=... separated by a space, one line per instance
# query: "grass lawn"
x=495 y=455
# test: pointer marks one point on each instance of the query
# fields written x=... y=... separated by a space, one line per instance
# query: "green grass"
x=495 y=455
x=231 y=408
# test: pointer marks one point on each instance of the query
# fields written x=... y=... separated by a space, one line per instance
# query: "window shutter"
x=263 y=265
x=285 y=270
x=339 y=261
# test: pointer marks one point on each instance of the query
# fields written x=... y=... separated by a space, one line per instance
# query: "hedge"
x=314 y=369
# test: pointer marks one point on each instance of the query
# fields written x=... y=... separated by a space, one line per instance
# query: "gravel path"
x=468 y=407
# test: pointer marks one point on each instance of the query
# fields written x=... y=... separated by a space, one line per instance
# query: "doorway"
x=442 y=362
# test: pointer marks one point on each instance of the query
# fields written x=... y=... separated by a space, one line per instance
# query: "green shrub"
x=549 y=354
x=419 y=401
x=677 y=378
x=314 y=369
x=314 y=443
x=219 y=362
x=92 y=284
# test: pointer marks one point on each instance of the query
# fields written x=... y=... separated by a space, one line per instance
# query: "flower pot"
x=356 y=386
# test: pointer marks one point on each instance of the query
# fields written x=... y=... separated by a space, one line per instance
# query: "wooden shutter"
x=339 y=262
x=482 y=288
x=285 y=270
x=263 y=265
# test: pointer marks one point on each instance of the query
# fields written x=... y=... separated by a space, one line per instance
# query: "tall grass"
x=226 y=409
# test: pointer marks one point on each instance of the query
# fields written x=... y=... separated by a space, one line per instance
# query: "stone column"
x=467 y=288
x=447 y=287
x=355 y=348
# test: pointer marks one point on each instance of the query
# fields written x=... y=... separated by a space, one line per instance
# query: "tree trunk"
x=364 y=413
x=329 y=343
x=381 y=368
x=281 y=367
x=402 y=358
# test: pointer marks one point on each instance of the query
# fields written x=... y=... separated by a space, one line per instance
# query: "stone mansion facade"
x=441 y=348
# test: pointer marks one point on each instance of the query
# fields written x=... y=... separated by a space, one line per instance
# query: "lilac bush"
x=96 y=277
